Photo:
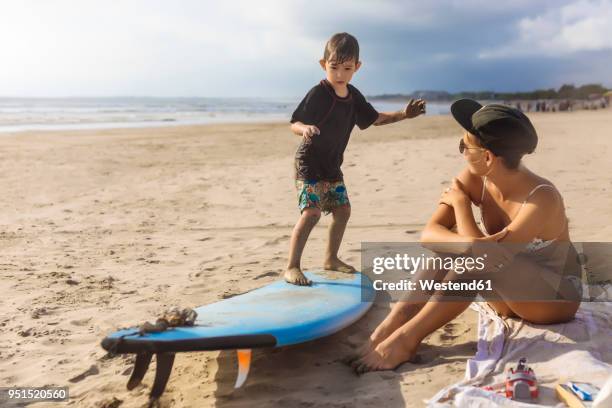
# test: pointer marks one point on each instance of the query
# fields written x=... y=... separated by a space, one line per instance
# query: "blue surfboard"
x=276 y=315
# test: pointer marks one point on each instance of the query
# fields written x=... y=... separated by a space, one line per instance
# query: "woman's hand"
x=495 y=254
x=454 y=195
x=498 y=236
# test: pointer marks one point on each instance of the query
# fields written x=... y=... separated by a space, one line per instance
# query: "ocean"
x=23 y=114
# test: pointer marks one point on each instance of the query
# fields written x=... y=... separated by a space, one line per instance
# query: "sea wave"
x=21 y=114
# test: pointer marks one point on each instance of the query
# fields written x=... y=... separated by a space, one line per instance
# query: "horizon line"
x=281 y=96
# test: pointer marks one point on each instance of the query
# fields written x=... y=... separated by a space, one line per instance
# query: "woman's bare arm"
x=466 y=224
x=529 y=223
x=440 y=227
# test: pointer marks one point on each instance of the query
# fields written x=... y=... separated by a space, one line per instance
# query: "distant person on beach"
x=539 y=281
x=324 y=119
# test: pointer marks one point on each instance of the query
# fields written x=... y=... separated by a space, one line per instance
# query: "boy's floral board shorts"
x=324 y=195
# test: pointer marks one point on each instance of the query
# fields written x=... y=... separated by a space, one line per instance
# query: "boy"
x=325 y=119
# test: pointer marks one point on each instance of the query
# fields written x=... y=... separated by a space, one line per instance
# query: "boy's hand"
x=309 y=131
x=414 y=108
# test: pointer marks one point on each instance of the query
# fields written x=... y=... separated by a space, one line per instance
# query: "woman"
x=518 y=208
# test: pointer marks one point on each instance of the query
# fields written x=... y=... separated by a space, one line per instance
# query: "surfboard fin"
x=162 y=373
x=140 y=369
x=244 y=364
x=163 y=369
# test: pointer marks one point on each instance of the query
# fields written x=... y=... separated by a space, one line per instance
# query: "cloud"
x=580 y=26
x=239 y=48
x=144 y=47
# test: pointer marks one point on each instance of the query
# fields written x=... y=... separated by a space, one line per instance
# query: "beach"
x=103 y=229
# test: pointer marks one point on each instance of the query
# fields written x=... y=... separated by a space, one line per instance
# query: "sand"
x=107 y=228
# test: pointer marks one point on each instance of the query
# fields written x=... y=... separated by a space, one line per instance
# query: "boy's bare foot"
x=296 y=277
x=338 y=265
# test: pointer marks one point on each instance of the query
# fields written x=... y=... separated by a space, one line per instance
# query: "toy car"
x=521 y=382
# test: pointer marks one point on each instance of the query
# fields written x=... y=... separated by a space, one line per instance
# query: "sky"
x=268 y=48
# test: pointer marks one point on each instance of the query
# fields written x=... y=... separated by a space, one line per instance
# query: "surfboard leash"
x=174 y=317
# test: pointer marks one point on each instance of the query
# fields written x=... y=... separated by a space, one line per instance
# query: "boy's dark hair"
x=341 y=47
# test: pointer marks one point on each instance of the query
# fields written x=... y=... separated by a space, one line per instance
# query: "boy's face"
x=339 y=74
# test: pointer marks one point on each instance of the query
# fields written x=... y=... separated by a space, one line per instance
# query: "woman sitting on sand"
x=517 y=206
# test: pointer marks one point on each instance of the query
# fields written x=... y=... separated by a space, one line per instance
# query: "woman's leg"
x=539 y=293
x=523 y=278
x=402 y=344
x=546 y=312
x=502 y=308
x=402 y=311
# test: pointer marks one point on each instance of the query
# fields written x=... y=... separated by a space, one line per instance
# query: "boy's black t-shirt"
x=320 y=157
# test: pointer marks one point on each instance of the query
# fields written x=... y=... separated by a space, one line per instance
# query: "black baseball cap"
x=499 y=128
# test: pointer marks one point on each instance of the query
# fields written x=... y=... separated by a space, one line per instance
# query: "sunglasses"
x=463 y=147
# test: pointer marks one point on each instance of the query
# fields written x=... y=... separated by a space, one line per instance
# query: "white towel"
x=580 y=350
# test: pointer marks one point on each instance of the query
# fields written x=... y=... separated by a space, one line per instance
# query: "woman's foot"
x=296 y=277
x=375 y=339
x=388 y=355
x=392 y=322
x=336 y=264
x=361 y=350
x=379 y=335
